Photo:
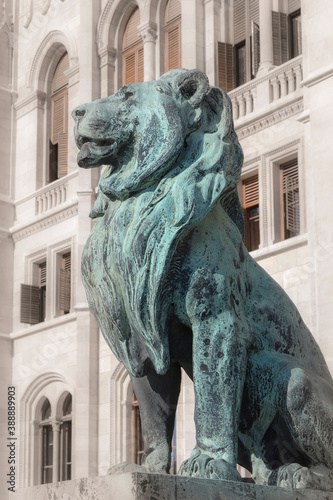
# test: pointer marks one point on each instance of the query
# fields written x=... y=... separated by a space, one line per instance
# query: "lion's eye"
x=128 y=94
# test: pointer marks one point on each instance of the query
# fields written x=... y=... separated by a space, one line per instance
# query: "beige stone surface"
x=143 y=486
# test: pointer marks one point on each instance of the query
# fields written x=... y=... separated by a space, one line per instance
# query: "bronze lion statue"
x=172 y=286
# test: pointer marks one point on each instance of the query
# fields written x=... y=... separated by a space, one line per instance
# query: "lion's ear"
x=194 y=86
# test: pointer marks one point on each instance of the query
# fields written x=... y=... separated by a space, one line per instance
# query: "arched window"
x=47 y=443
x=132 y=51
x=58 y=150
x=56 y=440
x=66 y=440
x=172 y=30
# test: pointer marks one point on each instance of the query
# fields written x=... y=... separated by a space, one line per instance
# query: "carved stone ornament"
x=172 y=285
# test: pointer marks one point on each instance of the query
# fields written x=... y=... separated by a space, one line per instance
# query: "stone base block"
x=144 y=486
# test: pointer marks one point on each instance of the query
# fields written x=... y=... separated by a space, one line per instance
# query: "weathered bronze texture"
x=171 y=284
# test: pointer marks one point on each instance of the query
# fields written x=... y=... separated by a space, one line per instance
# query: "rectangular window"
x=240 y=63
x=137 y=438
x=251 y=213
x=66 y=450
x=290 y=217
x=65 y=283
x=295 y=31
x=33 y=298
x=47 y=455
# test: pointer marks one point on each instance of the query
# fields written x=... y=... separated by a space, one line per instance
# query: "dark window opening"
x=240 y=63
x=137 y=438
x=295 y=30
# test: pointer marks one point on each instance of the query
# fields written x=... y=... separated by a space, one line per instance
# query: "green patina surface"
x=171 y=284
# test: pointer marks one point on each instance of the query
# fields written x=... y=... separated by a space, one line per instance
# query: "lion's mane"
x=142 y=235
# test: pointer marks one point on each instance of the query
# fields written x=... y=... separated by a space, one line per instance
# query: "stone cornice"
x=44 y=325
x=269 y=119
x=27 y=230
x=34 y=100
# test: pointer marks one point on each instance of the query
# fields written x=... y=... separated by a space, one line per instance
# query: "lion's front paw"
x=204 y=466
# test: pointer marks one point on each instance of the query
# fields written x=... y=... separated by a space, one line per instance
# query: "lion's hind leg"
x=157 y=397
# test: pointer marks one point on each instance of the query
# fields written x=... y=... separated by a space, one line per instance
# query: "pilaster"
x=107 y=59
x=148 y=34
x=266 y=37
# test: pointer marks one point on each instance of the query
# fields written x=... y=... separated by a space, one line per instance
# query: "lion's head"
x=171 y=153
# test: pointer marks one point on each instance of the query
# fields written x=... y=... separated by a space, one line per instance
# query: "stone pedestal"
x=144 y=486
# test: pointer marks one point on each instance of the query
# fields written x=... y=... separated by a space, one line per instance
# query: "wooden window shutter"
x=251 y=192
x=129 y=69
x=239 y=21
x=30 y=304
x=293 y=5
x=255 y=47
x=58 y=151
x=65 y=283
x=172 y=30
x=173 y=46
x=290 y=190
x=225 y=66
x=140 y=72
x=251 y=212
x=42 y=274
x=60 y=80
x=254 y=11
x=59 y=115
x=172 y=10
x=131 y=34
x=280 y=37
x=62 y=154
x=133 y=68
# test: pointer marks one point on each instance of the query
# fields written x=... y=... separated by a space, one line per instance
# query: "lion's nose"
x=79 y=112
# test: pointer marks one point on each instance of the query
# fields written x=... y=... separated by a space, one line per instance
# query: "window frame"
x=53 y=256
x=51 y=149
x=169 y=26
x=44 y=426
x=273 y=161
x=248 y=206
x=291 y=34
x=57 y=252
x=31 y=280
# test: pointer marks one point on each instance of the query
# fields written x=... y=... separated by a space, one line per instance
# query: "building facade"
x=76 y=413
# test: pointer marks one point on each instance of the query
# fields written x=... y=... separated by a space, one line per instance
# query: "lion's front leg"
x=219 y=366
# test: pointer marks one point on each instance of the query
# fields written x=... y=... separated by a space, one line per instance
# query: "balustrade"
x=282 y=81
x=51 y=197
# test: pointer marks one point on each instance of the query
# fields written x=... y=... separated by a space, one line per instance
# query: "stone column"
x=212 y=35
x=107 y=57
x=56 y=443
x=148 y=35
x=266 y=37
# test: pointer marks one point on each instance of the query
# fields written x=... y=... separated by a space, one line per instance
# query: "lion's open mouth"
x=80 y=140
x=93 y=152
